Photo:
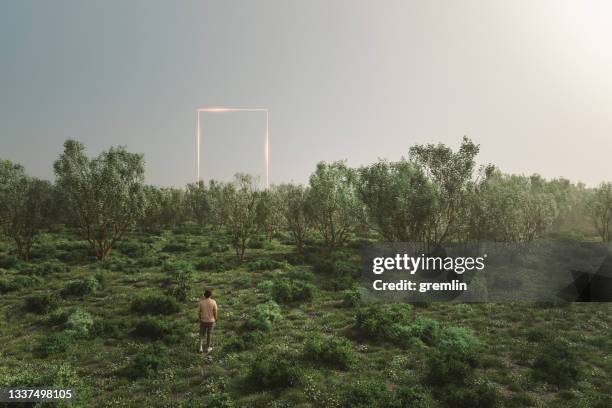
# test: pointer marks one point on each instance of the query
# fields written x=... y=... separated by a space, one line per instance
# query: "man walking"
x=207 y=314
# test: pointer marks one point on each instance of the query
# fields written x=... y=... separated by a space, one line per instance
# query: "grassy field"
x=123 y=332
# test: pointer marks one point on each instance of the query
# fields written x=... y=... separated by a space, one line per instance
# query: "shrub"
x=275 y=371
x=156 y=329
x=375 y=321
x=80 y=288
x=264 y=316
x=56 y=343
x=210 y=263
x=108 y=328
x=79 y=323
x=300 y=274
x=117 y=264
x=480 y=394
x=175 y=247
x=287 y=290
x=47 y=268
x=18 y=282
x=256 y=243
x=8 y=262
x=155 y=304
x=245 y=341
x=414 y=397
x=217 y=245
x=218 y=400
x=335 y=265
x=335 y=351
x=351 y=297
x=266 y=264
x=149 y=261
x=181 y=274
x=426 y=329
x=205 y=251
x=556 y=363
x=173 y=267
x=42 y=303
x=366 y=394
x=132 y=249
x=146 y=362
x=455 y=357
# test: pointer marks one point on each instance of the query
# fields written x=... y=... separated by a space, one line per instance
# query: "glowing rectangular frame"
x=234 y=109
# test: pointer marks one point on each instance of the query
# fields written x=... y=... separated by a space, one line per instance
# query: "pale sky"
x=531 y=81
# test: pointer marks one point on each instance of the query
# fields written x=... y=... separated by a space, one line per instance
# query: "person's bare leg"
x=201 y=344
x=209 y=339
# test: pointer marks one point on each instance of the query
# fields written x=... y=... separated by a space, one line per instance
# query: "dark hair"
x=207 y=293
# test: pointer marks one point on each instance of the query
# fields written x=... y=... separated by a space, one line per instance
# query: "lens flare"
x=220 y=109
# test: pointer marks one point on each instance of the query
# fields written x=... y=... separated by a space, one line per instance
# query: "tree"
x=600 y=210
x=293 y=208
x=399 y=199
x=238 y=210
x=450 y=173
x=332 y=205
x=106 y=192
x=197 y=202
x=24 y=206
x=512 y=208
x=269 y=212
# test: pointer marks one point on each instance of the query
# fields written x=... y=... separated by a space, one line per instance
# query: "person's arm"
x=215 y=311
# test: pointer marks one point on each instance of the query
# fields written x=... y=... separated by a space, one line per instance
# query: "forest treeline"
x=434 y=195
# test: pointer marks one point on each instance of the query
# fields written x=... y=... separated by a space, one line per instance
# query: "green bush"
x=375 y=321
x=287 y=290
x=426 y=329
x=210 y=263
x=181 y=275
x=80 y=288
x=42 y=303
x=57 y=342
x=79 y=323
x=173 y=266
x=256 y=243
x=114 y=328
x=245 y=341
x=47 y=268
x=146 y=362
x=335 y=265
x=351 y=297
x=275 y=371
x=366 y=394
x=218 y=400
x=266 y=264
x=481 y=394
x=8 y=262
x=264 y=316
x=176 y=247
x=132 y=249
x=118 y=264
x=413 y=397
x=154 y=328
x=217 y=245
x=557 y=363
x=18 y=282
x=155 y=304
x=300 y=274
x=454 y=358
x=335 y=351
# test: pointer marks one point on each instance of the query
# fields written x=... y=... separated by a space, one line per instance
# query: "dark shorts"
x=204 y=327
